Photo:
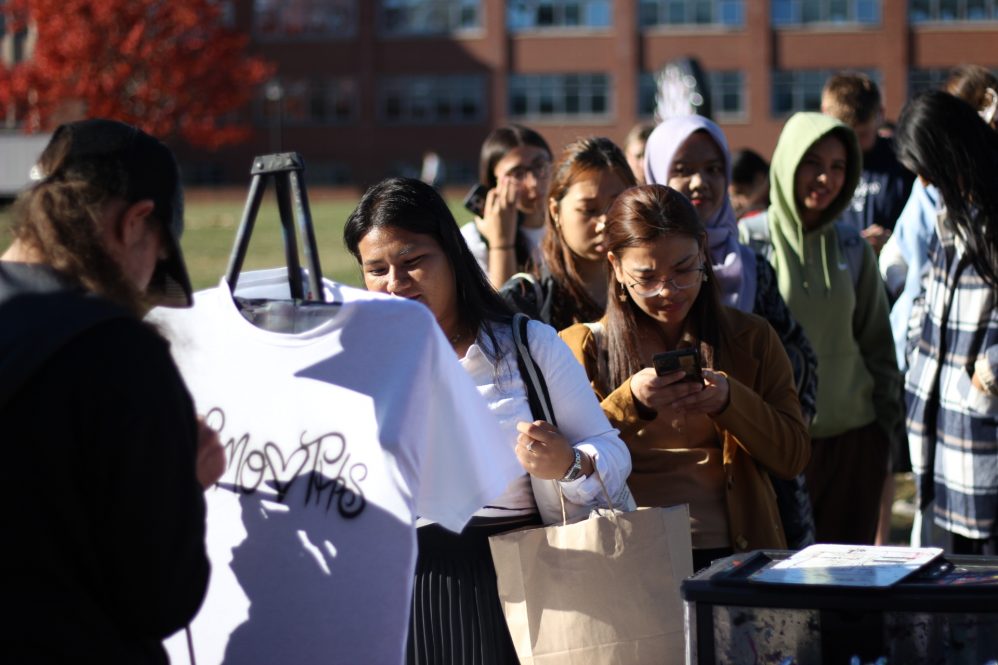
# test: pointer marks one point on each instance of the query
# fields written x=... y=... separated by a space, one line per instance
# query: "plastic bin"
x=949 y=615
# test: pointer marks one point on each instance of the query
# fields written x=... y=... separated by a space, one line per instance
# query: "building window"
x=304 y=19
x=727 y=94
x=420 y=100
x=800 y=89
x=542 y=96
x=802 y=12
x=928 y=11
x=429 y=17
x=534 y=14
x=920 y=80
x=310 y=102
x=727 y=13
x=726 y=90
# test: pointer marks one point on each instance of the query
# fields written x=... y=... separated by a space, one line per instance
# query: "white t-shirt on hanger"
x=336 y=439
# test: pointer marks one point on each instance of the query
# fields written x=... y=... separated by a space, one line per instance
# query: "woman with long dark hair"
x=515 y=164
x=106 y=553
x=408 y=245
x=570 y=284
x=710 y=443
x=951 y=389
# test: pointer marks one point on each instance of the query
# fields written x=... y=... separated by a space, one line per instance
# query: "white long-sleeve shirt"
x=580 y=419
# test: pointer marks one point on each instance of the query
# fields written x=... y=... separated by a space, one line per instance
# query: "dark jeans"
x=845 y=477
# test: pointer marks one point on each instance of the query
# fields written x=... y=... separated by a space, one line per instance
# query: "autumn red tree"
x=168 y=66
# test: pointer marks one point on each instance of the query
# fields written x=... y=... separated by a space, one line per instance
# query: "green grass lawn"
x=211 y=232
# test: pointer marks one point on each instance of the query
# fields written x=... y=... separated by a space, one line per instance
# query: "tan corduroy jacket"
x=761 y=428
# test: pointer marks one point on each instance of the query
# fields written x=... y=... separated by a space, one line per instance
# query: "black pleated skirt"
x=456 y=615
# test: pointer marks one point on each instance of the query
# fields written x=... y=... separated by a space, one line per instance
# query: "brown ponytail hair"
x=61 y=218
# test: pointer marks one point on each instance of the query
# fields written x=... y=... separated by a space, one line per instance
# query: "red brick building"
x=364 y=87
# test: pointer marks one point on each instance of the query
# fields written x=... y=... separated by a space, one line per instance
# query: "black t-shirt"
x=104 y=529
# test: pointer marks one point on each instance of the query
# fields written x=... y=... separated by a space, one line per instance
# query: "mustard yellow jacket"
x=761 y=428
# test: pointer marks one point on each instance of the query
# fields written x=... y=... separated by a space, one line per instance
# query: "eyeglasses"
x=684 y=279
x=540 y=170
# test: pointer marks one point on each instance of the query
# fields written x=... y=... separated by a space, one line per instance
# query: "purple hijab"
x=733 y=264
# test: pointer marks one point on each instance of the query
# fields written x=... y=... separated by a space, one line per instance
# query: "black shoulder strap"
x=533 y=379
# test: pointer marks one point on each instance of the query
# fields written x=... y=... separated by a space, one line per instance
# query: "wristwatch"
x=575 y=471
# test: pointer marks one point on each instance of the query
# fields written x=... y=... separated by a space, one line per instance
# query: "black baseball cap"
x=151 y=173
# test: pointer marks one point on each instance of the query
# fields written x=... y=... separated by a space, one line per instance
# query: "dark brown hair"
x=851 y=97
x=579 y=159
x=970 y=83
x=500 y=142
x=641 y=216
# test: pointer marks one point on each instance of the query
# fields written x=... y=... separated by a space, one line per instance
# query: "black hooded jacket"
x=104 y=524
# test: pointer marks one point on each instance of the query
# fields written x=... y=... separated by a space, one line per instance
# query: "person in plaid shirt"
x=951 y=388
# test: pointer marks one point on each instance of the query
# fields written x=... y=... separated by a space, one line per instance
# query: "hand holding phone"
x=475 y=200
x=687 y=359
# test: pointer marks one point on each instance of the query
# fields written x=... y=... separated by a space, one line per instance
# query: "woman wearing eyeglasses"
x=708 y=443
x=515 y=164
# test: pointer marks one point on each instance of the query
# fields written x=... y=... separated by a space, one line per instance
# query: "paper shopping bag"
x=603 y=591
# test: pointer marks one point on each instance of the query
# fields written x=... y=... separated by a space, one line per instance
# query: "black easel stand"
x=287 y=169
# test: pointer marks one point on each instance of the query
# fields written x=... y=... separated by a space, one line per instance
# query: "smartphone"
x=687 y=360
x=475 y=200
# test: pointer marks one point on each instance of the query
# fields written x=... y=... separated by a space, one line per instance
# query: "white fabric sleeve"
x=477 y=246
x=465 y=459
x=580 y=419
x=893 y=267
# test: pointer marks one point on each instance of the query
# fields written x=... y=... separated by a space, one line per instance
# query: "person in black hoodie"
x=105 y=459
x=853 y=99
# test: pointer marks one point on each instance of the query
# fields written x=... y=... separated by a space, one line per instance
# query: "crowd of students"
x=822 y=298
x=788 y=312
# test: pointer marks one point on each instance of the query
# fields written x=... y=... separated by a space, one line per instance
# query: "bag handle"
x=537 y=389
x=540 y=399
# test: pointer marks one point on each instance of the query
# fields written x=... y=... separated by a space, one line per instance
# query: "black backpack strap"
x=533 y=379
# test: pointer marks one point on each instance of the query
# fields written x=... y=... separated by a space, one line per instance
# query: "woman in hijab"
x=690 y=154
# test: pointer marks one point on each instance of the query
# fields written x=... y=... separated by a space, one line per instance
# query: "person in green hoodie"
x=829 y=279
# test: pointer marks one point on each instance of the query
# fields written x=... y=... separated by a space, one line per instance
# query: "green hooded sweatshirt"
x=858 y=380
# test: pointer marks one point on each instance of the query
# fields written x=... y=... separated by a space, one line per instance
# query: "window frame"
x=819 y=75
x=662 y=9
x=405 y=85
x=934 y=19
x=552 y=88
x=797 y=21
x=326 y=88
x=350 y=8
x=559 y=6
x=452 y=8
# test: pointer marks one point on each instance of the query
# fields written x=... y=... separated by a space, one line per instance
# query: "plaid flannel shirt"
x=952 y=425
